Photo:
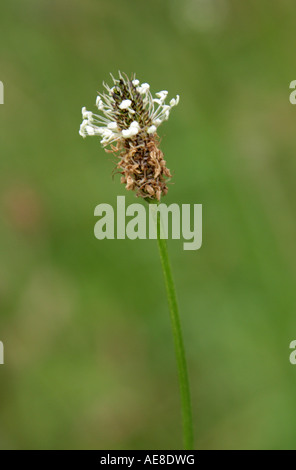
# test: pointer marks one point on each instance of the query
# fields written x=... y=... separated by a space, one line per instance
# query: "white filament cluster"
x=105 y=124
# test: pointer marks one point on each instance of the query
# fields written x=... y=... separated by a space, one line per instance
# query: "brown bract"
x=142 y=166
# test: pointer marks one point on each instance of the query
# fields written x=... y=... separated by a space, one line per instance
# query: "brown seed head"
x=131 y=118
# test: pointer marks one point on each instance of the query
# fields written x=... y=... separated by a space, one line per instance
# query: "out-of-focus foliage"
x=89 y=359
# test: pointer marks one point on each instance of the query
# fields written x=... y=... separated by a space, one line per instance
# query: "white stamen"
x=126 y=133
x=143 y=88
x=175 y=101
x=107 y=133
x=112 y=126
x=125 y=104
x=87 y=114
x=135 y=124
x=99 y=103
x=90 y=130
x=132 y=130
x=162 y=95
x=151 y=130
x=105 y=124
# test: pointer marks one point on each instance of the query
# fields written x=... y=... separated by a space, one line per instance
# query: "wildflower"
x=130 y=117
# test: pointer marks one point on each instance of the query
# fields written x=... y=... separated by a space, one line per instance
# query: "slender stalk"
x=178 y=341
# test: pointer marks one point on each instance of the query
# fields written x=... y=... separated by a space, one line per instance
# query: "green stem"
x=178 y=341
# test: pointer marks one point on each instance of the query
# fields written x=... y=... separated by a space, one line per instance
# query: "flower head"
x=130 y=116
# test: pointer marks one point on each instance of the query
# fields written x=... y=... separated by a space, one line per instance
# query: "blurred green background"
x=89 y=358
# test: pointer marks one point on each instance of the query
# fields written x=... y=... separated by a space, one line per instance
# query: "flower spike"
x=130 y=117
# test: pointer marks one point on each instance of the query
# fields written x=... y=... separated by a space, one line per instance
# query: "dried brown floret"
x=131 y=118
